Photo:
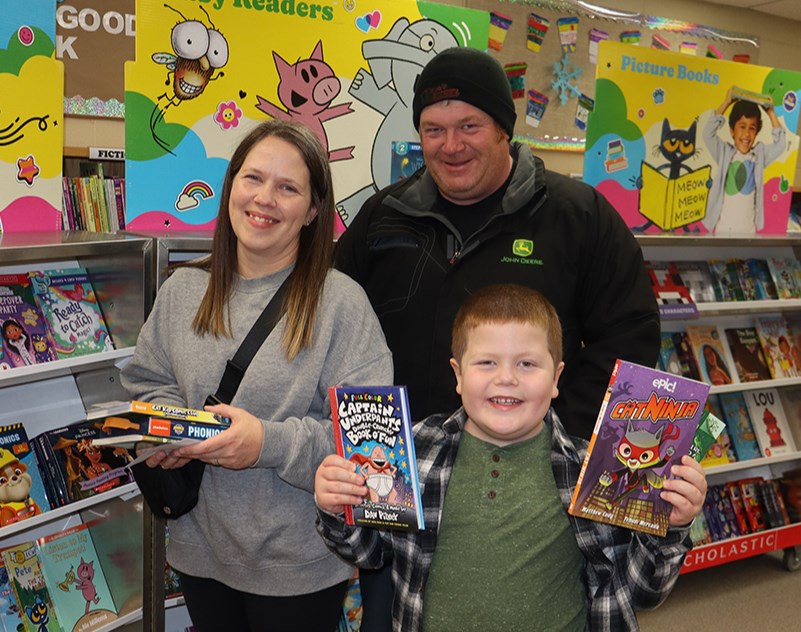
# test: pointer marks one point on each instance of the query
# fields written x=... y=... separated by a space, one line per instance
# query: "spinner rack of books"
x=71 y=535
x=731 y=317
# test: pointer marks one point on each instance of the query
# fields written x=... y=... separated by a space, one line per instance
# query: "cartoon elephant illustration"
x=388 y=88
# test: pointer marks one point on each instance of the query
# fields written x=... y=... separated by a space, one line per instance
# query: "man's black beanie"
x=468 y=75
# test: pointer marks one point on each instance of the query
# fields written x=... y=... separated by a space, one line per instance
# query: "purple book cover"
x=26 y=336
x=646 y=423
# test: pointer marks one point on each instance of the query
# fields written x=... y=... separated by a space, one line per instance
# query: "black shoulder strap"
x=235 y=367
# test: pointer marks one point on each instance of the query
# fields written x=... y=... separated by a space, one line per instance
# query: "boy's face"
x=507 y=380
x=744 y=133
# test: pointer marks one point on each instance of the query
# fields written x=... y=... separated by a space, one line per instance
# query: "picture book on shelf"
x=75 y=577
x=132 y=424
x=684 y=352
x=67 y=299
x=746 y=351
x=672 y=296
x=373 y=429
x=784 y=272
x=770 y=424
x=668 y=356
x=725 y=280
x=739 y=427
x=710 y=354
x=26 y=335
x=777 y=341
x=736 y=497
x=697 y=278
x=759 y=270
x=31 y=591
x=646 y=423
x=747 y=280
x=22 y=490
x=754 y=511
x=10 y=619
x=711 y=443
x=80 y=468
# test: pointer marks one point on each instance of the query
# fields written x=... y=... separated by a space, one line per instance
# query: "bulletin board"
x=558 y=128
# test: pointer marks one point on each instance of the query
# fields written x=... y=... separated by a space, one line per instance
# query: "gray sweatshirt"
x=253 y=529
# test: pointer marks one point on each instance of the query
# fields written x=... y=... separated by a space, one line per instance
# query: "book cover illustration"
x=684 y=352
x=30 y=589
x=672 y=296
x=373 y=429
x=710 y=355
x=711 y=443
x=86 y=469
x=22 y=490
x=646 y=423
x=668 y=356
x=697 y=278
x=749 y=490
x=746 y=351
x=129 y=424
x=770 y=424
x=783 y=271
x=726 y=281
x=26 y=336
x=738 y=424
x=759 y=271
x=736 y=497
x=68 y=301
x=77 y=584
x=666 y=203
x=747 y=280
x=776 y=338
x=10 y=619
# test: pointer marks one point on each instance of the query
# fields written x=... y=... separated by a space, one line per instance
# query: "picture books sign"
x=681 y=143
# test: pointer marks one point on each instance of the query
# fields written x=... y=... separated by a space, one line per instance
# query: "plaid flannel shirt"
x=625 y=570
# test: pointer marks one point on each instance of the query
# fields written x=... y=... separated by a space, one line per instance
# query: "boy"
x=736 y=200
x=500 y=551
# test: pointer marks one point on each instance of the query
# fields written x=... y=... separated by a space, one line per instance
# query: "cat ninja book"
x=646 y=423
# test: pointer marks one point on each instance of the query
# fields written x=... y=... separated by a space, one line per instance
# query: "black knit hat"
x=468 y=75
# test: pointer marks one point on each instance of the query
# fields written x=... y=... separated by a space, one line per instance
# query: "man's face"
x=744 y=134
x=465 y=151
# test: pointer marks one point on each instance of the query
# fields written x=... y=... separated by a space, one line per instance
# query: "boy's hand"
x=686 y=493
x=337 y=484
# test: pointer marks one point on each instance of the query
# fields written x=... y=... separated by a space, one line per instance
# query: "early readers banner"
x=206 y=72
x=693 y=144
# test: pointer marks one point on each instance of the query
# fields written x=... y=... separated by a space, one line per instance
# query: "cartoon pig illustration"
x=306 y=89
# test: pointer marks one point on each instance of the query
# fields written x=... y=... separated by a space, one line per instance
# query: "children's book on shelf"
x=75 y=577
x=699 y=531
x=746 y=351
x=749 y=490
x=697 y=278
x=736 y=498
x=10 y=619
x=709 y=430
x=672 y=296
x=791 y=402
x=726 y=280
x=747 y=280
x=68 y=301
x=373 y=429
x=31 y=591
x=718 y=451
x=770 y=424
x=770 y=503
x=684 y=352
x=668 y=356
x=22 y=490
x=778 y=343
x=784 y=272
x=140 y=425
x=646 y=423
x=738 y=425
x=759 y=271
x=26 y=335
x=79 y=468
x=709 y=350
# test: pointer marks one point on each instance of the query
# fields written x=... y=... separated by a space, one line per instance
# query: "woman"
x=248 y=553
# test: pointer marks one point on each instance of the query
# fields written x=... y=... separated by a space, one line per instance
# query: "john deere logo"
x=523 y=247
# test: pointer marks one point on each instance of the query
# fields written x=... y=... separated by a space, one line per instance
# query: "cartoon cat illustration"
x=677 y=146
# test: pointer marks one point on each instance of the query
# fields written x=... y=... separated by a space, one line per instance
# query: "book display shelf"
x=53 y=394
x=738 y=314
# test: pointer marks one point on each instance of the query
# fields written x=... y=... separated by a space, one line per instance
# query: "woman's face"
x=270 y=202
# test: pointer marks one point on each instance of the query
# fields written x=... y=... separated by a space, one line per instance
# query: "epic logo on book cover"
x=372 y=429
x=646 y=423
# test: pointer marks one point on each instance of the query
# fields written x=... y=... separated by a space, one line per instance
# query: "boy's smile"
x=744 y=134
x=507 y=380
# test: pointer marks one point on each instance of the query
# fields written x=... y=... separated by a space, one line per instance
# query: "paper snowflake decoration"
x=563 y=83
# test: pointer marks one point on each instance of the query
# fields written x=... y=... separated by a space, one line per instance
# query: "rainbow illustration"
x=192 y=194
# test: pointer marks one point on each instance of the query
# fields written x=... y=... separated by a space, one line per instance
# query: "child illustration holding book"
x=736 y=199
x=496 y=478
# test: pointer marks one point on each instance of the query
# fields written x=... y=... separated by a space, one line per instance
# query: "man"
x=485 y=211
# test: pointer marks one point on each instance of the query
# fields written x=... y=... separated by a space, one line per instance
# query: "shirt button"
x=495 y=473
x=496 y=457
x=491 y=494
